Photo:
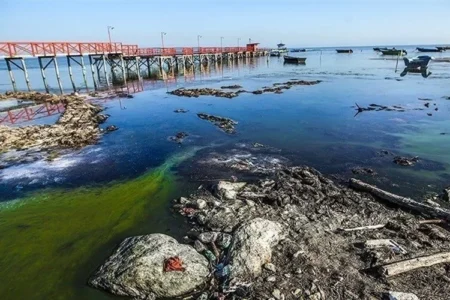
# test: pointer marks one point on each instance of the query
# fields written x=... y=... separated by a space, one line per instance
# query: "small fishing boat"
x=394 y=52
x=282 y=48
x=429 y=49
x=275 y=53
x=294 y=60
x=443 y=48
x=344 y=50
x=417 y=64
x=298 y=50
x=379 y=49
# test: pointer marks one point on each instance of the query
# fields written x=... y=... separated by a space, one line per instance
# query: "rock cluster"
x=77 y=126
x=226 y=124
x=203 y=92
x=235 y=86
x=288 y=240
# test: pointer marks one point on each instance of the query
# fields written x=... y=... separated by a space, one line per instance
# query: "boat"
x=294 y=60
x=298 y=50
x=443 y=48
x=417 y=64
x=394 y=51
x=282 y=48
x=379 y=49
x=344 y=50
x=275 y=52
x=429 y=49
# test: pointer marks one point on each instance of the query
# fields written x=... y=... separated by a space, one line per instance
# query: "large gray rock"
x=136 y=268
x=228 y=190
x=401 y=296
x=252 y=247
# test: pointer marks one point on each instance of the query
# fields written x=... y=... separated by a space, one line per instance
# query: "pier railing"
x=34 y=49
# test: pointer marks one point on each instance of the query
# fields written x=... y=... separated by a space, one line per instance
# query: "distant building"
x=252 y=47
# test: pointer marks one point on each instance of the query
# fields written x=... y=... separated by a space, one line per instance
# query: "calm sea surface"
x=59 y=216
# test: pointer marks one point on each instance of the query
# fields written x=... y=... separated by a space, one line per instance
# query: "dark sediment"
x=226 y=124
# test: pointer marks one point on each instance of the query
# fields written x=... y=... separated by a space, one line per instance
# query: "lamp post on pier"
x=162 y=41
x=198 y=42
x=221 y=44
x=109 y=35
x=238 y=44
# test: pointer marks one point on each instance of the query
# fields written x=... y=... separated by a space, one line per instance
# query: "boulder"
x=401 y=296
x=228 y=190
x=136 y=269
x=252 y=247
x=446 y=194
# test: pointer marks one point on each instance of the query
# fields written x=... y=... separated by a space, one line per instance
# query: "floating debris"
x=226 y=124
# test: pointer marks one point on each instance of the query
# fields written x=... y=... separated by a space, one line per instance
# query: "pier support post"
x=71 y=74
x=25 y=73
x=123 y=70
x=138 y=68
x=47 y=89
x=11 y=75
x=106 y=71
x=83 y=70
x=58 y=78
x=148 y=68
x=93 y=72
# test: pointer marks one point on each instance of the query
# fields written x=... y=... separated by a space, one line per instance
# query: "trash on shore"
x=226 y=124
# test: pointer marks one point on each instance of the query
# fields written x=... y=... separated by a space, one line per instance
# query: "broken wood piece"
x=379 y=226
x=393 y=245
x=369 y=227
x=400 y=201
x=403 y=266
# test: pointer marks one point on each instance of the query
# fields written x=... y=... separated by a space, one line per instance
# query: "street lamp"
x=238 y=43
x=198 y=42
x=162 y=40
x=221 y=43
x=109 y=34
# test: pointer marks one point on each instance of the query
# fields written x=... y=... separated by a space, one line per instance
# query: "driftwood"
x=379 y=226
x=403 y=266
x=393 y=245
x=400 y=201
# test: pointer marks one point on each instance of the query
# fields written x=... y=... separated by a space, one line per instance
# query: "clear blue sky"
x=296 y=22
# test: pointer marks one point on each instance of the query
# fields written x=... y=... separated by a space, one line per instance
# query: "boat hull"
x=344 y=50
x=294 y=60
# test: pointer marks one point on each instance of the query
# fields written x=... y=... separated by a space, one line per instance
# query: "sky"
x=297 y=23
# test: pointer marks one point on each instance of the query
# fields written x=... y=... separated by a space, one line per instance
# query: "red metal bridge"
x=37 y=49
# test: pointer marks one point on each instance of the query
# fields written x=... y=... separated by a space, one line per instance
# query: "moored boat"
x=344 y=50
x=443 y=48
x=294 y=60
x=379 y=49
x=275 y=53
x=429 y=49
x=394 y=52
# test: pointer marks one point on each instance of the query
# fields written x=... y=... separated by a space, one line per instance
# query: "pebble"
x=401 y=296
x=199 y=246
x=250 y=203
x=201 y=204
x=270 y=267
x=208 y=237
x=271 y=279
x=287 y=275
x=277 y=294
x=183 y=200
x=296 y=292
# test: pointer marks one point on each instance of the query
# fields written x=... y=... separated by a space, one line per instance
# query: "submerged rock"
x=235 y=86
x=401 y=296
x=252 y=246
x=136 y=269
x=202 y=92
x=406 y=161
x=363 y=171
x=180 y=110
x=179 y=137
x=225 y=124
x=111 y=128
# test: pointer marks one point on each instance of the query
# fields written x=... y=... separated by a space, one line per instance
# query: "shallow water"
x=69 y=213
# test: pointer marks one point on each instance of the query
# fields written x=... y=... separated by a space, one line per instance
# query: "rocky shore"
x=77 y=126
x=294 y=235
x=225 y=124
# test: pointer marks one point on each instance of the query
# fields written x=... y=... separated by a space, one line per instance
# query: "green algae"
x=47 y=237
